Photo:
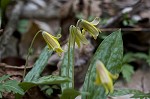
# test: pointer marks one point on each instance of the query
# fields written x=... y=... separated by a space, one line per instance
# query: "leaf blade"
x=127 y=71
x=39 y=65
x=12 y=85
x=123 y=91
x=110 y=52
x=66 y=70
x=42 y=81
x=69 y=94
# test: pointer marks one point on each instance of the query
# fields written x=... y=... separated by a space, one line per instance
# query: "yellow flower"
x=104 y=77
x=76 y=34
x=90 y=26
x=52 y=42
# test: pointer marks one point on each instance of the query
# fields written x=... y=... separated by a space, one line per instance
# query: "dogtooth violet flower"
x=76 y=34
x=52 y=42
x=90 y=26
x=104 y=77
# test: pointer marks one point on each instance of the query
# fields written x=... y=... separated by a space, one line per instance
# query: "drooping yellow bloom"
x=52 y=42
x=104 y=77
x=76 y=34
x=90 y=26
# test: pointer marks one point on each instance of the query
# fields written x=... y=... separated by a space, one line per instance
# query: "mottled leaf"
x=110 y=52
x=39 y=65
x=136 y=93
x=42 y=81
x=141 y=95
x=121 y=92
x=51 y=79
x=67 y=68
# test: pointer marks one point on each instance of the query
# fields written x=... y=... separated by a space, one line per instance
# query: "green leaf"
x=141 y=56
x=23 y=25
x=148 y=61
x=4 y=77
x=9 y=85
x=51 y=79
x=69 y=94
x=42 y=81
x=110 y=52
x=127 y=71
x=44 y=87
x=128 y=57
x=67 y=69
x=136 y=93
x=12 y=85
x=39 y=66
x=49 y=91
x=125 y=22
x=121 y=92
x=141 y=95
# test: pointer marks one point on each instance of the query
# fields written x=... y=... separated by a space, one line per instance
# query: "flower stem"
x=73 y=51
x=71 y=59
x=29 y=52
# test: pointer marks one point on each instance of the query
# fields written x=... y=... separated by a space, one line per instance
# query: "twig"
x=10 y=27
x=128 y=10
x=3 y=65
x=146 y=30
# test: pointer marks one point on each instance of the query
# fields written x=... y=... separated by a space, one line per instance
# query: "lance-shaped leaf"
x=39 y=65
x=67 y=66
x=110 y=52
x=136 y=93
x=66 y=70
x=46 y=80
x=123 y=91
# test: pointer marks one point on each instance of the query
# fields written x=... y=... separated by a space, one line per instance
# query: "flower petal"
x=76 y=34
x=95 y=21
x=104 y=77
x=87 y=26
x=52 y=42
x=81 y=37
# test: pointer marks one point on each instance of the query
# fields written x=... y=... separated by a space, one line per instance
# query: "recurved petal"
x=75 y=34
x=81 y=37
x=95 y=21
x=113 y=76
